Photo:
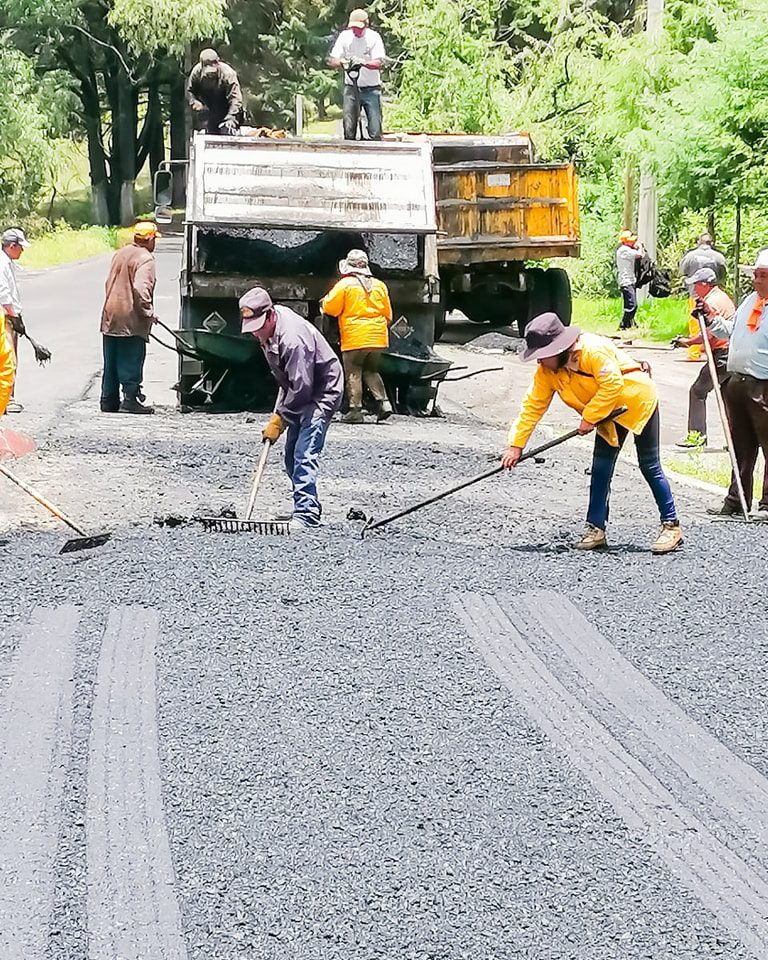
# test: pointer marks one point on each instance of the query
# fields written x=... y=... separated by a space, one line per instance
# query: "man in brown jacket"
x=126 y=320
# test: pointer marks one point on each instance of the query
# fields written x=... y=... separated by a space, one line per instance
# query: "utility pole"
x=648 y=207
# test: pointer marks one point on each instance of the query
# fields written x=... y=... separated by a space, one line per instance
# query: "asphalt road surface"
x=454 y=738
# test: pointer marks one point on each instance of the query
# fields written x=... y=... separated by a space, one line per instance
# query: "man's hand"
x=586 y=427
x=228 y=128
x=197 y=106
x=510 y=457
x=17 y=325
x=275 y=426
x=681 y=342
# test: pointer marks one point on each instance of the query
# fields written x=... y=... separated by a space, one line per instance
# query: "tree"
x=122 y=58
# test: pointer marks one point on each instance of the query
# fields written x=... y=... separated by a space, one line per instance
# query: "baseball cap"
x=358 y=18
x=208 y=57
x=704 y=275
x=145 y=230
x=258 y=301
x=14 y=235
x=627 y=236
x=761 y=261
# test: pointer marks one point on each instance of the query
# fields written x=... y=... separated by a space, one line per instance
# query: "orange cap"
x=145 y=230
x=627 y=236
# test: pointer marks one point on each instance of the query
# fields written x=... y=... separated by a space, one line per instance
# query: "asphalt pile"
x=343 y=775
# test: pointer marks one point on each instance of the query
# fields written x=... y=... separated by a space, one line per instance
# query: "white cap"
x=761 y=263
x=14 y=235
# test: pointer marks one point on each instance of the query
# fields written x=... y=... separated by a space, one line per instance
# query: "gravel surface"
x=343 y=776
x=494 y=342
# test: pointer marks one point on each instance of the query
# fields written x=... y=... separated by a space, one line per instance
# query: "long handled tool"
x=375 y=524
x=83 y=541
x=723 y=416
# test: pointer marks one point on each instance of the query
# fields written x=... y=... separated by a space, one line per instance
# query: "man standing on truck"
x=627 y=255
x=213 y=92
x=311 y=384
x=360 y=52
x=126 y=321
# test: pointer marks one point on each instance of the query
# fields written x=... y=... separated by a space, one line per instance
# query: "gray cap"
x=259 y=302
x=14 y=235
x=704 y=275
x=208 y=57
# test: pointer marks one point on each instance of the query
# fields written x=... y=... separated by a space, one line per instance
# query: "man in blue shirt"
x=746 y=393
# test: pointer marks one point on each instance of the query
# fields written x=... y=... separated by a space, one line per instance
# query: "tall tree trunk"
x=629 y=197
x=711 y=226
x=737 y=253
x=179 y=139
x=124 y=126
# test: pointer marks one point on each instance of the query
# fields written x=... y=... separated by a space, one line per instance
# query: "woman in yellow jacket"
x=594 y=377
x=361 y=304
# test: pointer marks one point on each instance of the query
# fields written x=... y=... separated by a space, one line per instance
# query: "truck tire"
x=547 y=290
x=441 y=318
x=559 y=284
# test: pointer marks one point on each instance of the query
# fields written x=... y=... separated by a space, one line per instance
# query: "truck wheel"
x=441 y=318
x=537 y=298
x=559 y=284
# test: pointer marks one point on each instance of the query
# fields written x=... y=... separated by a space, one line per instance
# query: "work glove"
x=678 y=342
x=17 y=325
x=275 y=426
x=228 y=128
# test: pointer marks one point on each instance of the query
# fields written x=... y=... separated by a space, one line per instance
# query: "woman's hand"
x=586 y=427
x=510 y=457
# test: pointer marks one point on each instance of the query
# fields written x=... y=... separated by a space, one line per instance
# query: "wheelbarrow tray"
x=223 y=347
x=395 y=364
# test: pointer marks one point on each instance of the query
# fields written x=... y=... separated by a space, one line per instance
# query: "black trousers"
x=701 y=388
x=123 y=367
x=629 y=296
x=746 y=403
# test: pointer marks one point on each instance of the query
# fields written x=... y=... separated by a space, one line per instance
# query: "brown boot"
x=593 y=538
x=669 y=538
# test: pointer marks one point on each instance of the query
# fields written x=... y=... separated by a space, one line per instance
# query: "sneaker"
x=724 y=509
x=353 y=415
x=14 y=407
x=593 y=538
x=285 y=516
x=297 y=525
x=670 y=537
x=692 y=441
x=385 y=411
x=132 y=405
x=760 y=515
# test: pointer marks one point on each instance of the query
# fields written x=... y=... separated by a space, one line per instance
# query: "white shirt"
x=626 y=258
x=367 y=47
x=9 y=287
x=748 y=353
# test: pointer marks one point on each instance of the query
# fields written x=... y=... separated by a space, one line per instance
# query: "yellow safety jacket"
x=599 y=378
x=364 y=315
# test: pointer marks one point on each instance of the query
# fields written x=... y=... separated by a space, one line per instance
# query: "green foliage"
x=453 y=72
x=658 y=320
x=170 y=25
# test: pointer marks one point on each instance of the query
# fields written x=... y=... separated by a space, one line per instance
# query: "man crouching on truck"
x=311 y=387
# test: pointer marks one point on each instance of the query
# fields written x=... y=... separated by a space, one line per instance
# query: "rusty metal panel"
x=382 y=187
x=530 y=207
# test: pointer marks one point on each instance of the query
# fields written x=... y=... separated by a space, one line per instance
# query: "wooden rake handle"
x=40 y=499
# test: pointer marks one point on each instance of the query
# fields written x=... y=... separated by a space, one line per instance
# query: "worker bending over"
x=361 y=304
x=594 y=377
x=213 y=92
x=311 y=387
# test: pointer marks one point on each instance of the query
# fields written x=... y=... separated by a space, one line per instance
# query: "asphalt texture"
x=340 y=770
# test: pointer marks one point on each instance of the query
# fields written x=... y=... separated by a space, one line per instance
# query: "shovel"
x=81 y=542
x=375 y=524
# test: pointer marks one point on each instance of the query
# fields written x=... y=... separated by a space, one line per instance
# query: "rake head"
x=85 y=543
x=232 y=525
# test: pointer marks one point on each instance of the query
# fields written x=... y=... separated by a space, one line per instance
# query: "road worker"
x=13 y=243
x=311 y=384
x=702 y=256
x=213 y=92
x=361 y=304
x=594 y=377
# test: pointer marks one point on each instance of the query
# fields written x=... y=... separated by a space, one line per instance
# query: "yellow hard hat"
x=627 y=236
x=145 y=230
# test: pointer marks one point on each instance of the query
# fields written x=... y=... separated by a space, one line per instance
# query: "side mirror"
x=163 y=196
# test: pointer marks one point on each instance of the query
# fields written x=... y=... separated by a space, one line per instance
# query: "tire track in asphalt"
x=700 y=771
x=35 y=741
x=133 y=912
x=723 y=882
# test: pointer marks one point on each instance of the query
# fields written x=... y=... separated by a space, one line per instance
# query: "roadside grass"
x=712 y=468
x=659 y=320
x=67 y=245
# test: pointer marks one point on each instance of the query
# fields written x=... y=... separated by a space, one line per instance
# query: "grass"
x=659 y=320
x=711 y=468
x=66 y=244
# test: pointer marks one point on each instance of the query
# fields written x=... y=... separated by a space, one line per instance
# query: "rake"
x=233 y=525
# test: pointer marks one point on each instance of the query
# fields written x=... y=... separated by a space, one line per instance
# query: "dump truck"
x=499 y=210
x=281 y=214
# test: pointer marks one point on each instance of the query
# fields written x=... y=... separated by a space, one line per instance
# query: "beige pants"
x=362 y=367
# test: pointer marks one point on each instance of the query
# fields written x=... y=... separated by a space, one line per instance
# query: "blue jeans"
x=604 y=463
x=370 y=101
x=304 y=442
x=123 y=367
x=629 y=296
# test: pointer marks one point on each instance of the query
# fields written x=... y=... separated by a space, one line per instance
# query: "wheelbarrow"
x=216 y=352
x=413 y=372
